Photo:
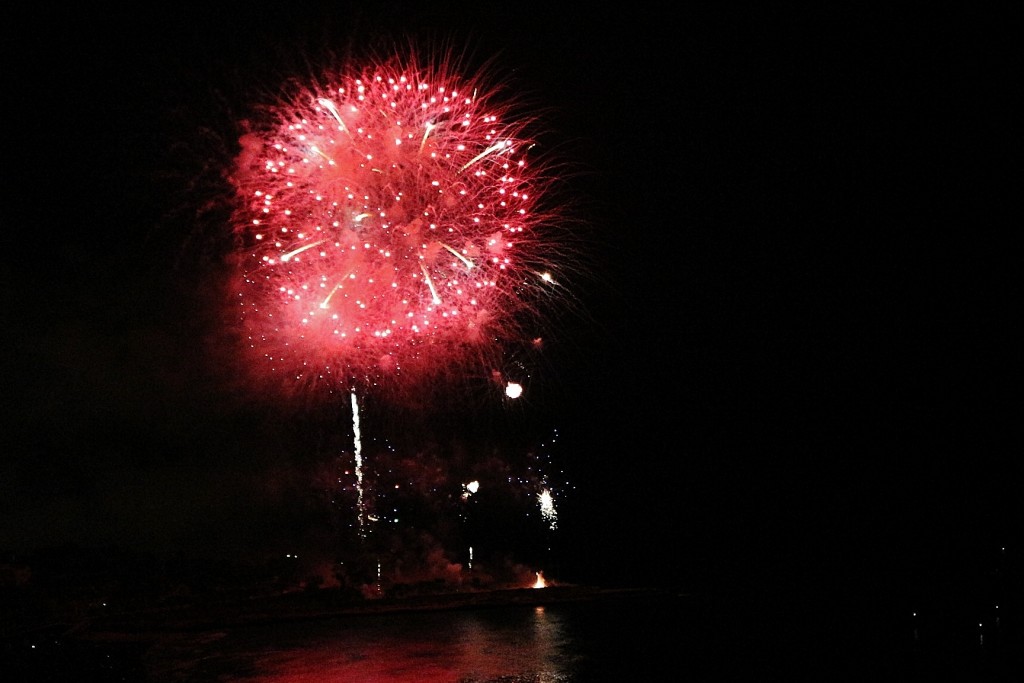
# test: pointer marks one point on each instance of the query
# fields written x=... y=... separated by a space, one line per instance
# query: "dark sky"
x=802 y=314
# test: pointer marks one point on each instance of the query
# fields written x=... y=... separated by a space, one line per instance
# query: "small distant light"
x=513 y=390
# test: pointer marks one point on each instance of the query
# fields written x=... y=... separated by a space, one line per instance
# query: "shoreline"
x=322 y=605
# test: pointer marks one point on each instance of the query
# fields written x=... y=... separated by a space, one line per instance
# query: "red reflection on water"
x=429 y=648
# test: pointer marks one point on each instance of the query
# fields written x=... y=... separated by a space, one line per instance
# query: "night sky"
x=797 y=332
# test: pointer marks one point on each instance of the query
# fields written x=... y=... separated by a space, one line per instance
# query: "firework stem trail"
x=358 y=450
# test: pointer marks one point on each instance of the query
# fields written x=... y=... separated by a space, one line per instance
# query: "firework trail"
x=391 y=233
x=357 y=440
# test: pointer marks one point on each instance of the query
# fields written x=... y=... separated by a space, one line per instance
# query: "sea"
x=622 y=636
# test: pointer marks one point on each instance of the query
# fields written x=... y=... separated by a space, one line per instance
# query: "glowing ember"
x=469 y=489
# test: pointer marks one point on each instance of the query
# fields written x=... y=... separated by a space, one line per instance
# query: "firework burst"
x=394 y=230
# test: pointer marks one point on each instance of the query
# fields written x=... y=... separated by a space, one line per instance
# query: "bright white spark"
x=496 y=147
x=430 y=284
x=547 y=508
x=285 y=258
x=329 y=106
x=466 y=261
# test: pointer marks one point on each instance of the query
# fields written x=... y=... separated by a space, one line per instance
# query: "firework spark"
x=391 y=229
x=547 y=508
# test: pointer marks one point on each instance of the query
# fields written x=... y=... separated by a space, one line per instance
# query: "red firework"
x=390 y=229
